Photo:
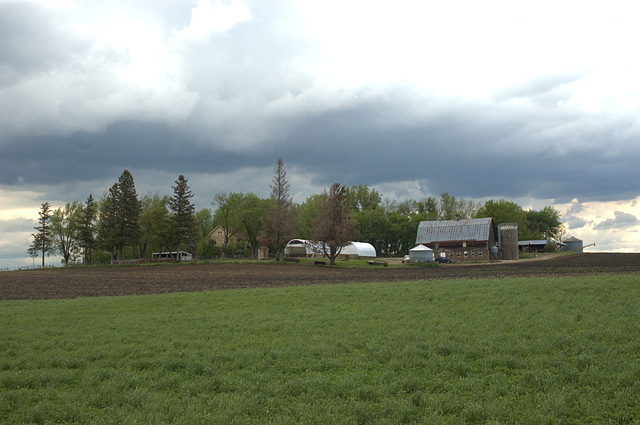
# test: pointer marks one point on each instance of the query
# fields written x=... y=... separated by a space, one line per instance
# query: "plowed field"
x=114 y=281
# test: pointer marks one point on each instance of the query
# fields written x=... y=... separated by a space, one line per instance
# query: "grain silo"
x=508 y=240
x=573 y=244
x=421 y=254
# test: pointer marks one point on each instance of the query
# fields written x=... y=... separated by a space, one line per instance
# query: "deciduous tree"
x=334 y=227
x=251 y=218
x=64 y=230
x=226 y=215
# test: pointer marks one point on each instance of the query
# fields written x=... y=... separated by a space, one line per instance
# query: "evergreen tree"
x=183 y=220
x=42 y=239
x=107 y=221
x=118 y=224
x=128 y=212
x=86 y=228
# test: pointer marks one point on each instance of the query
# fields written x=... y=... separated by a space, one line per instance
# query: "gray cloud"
x=621 y=221
x=77 y=111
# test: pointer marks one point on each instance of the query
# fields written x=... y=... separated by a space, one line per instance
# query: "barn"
x=468 y=240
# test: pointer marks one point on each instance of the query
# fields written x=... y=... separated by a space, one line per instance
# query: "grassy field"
x=508 y=351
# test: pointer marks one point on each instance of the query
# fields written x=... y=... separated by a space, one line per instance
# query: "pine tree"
x=119 y=211
x=129 y=208
x=42 y=239
x=183 y=219
x=86 y=228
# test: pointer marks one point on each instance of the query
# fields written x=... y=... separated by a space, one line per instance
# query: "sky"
x=533 y=102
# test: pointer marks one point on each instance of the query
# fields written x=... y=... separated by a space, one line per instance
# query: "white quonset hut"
x=421 y=254
x=307 y=248
x=359 y=250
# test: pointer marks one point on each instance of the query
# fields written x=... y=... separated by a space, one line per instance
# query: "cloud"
x=621 y=221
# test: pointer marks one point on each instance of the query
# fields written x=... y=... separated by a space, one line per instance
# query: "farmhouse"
x=307 y=248
x=459 y=240
x=217 y=236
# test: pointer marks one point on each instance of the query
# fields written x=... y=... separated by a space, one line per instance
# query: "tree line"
x=124 y=226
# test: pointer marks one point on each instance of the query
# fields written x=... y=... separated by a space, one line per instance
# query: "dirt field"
x=114 y=281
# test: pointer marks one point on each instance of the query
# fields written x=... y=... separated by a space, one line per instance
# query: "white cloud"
x=208 y=18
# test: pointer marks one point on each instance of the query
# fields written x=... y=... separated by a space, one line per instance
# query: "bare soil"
x=141 y=280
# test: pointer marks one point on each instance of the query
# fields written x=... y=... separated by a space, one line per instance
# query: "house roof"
x=475 y=229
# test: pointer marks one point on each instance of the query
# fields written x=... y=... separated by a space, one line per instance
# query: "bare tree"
x=334 y=228
x=279 y=226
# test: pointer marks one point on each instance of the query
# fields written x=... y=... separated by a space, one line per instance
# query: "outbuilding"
x=307 y=248
x=421 y=254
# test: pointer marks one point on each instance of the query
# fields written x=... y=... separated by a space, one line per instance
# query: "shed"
x=421 y=254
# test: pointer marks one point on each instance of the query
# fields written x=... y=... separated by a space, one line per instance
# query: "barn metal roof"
x=475 y=229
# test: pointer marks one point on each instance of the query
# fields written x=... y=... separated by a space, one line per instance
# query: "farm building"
x=573 y=244
x=171 y=256
x=421 y=254
x=307 y=248
x=532 y=246
x=217 y=236
x=459 y=240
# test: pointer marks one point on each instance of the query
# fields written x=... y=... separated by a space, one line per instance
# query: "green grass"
x=511 y=351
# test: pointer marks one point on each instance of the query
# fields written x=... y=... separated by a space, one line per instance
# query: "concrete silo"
x=508 y=240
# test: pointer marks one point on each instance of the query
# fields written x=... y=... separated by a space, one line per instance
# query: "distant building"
x=460 y=240
x=573 y=244
x=307 y=248
x=171 y=256
x=217 y=236
x=532 y=246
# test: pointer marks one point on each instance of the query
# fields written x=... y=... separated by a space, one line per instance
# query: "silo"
x=573 y=244
x=508 y=240
x=421 y=254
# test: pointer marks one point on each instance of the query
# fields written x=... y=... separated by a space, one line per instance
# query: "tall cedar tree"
x=279 y=226
x=334 y=227
x=42 y=239
x=183 y=219
x=87 y=228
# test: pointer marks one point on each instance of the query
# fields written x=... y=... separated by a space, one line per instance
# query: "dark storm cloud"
x=467 y=152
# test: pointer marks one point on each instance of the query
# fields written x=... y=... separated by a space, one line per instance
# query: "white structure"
x=168 y=256
x=306 y=248
x=421 y=254
x=359 y=250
